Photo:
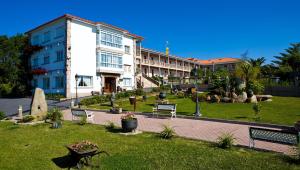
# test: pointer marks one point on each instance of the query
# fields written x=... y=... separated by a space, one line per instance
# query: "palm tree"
x=258 y=62
x=247 y=72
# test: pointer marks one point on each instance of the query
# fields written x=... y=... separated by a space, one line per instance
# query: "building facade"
x=103 y=57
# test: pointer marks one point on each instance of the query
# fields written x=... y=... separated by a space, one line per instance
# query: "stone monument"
x=39 y=107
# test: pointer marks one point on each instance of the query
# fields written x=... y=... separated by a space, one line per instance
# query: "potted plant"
x=162 y=95
x=55 y=115
x=129 y=122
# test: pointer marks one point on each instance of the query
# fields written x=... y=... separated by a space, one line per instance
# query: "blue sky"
x=202 y=29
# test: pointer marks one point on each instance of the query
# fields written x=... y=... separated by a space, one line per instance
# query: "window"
x=60 y=31
x=35 y=40
x=111 y=39
x=85 y=81
x=127 y=49
x=109 y=59
x=59 y=82
x=46 y=59
x=46 y=36
x=46 y=83
x=127 y=81
x=127 y=68
x=59 y=55
x=35 y=62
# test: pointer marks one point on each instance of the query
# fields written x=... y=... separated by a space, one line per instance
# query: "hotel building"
x=103 y=57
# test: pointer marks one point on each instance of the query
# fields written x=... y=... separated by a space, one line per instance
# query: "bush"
x=201 y=97
x=225 y=141
x=256 y=87
x=94 y=100
x=155 y=89
x=55 y=114
x=27 y=118
x=110 y=125
x=257 y=108
x=139 y=92
x=83 y=120
x=167 y=133
x=181 y=94
x=54 y=96
x=5 y=90
x=2 y=115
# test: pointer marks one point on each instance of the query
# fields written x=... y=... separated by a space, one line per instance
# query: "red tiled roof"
x=68 y=16
x=215 y=61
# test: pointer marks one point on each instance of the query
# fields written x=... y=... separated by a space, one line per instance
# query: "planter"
x=162 y=95
x=56 y=125
x=128 y=125
x=132 y=100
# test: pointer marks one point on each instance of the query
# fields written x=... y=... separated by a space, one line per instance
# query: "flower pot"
x=128 y=125
x=162 y=95
x=132 y=100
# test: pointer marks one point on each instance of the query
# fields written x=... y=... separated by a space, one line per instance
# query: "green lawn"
x=34 y=147
x=282 y=110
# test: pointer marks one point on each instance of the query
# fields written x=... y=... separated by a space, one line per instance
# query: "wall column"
x=68 y=59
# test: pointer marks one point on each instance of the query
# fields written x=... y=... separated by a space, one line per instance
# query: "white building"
x=102 y=55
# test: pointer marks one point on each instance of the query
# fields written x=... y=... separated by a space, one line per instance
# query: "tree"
x=288 y=63
x=258 y=62
x=15 y=52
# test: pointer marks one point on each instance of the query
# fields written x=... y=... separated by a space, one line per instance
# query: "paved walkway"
x=190 y=128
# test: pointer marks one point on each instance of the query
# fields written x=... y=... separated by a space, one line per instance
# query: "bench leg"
x=251 y=143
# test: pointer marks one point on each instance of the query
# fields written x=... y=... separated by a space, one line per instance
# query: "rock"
x=215 y=98
x=39 y=107
x=263 y=97
x=234 y=97
x=226 y=99
x=208 y=98
x=268 y=100
x=242 y=98
x=253 y=99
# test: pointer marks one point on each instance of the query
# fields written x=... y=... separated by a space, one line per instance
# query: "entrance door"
x=109 y=84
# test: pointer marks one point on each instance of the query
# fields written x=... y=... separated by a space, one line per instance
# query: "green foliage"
x=155 y=89
x=201 y=97
x=94 y=100
x=83 y=120
x=139 y=92
x=256 y=87
x=257 y=108
x=55 y=114
x=27 y=118
x=167 y=133
x=110 y=125
x=2 y=115
x=15 y=52
x=165 y=87
x=54 y=96
x=180 y=94
x=225 y=141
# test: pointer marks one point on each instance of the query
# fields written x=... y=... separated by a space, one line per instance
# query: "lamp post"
x=194 y=73
x=76 y=79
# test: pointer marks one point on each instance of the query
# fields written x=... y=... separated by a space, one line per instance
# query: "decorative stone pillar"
x=68 y=59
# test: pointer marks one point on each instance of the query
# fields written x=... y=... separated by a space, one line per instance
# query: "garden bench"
x=165 y=108
x=271 y=135
x=78 y=113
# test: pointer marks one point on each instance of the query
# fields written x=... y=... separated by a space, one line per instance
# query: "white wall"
x=83 y=56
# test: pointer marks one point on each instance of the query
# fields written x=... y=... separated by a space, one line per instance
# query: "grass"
x=282 y=110
x=34 y=147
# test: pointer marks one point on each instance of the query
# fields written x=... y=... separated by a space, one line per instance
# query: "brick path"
x=190 y=128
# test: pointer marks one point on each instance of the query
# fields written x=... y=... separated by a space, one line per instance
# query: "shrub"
x=167 y=133
x=256 y=86
x=201 y=97
x=2 y=115
x=5 y=89
x=139 y=92
x=110 y=125
x=225 y=141
x=55 y=114
x=181 y=94
x=257 y=108
x=54 y=96
x=155 y=89
x=83 y=120
x=27 y=118
x=94 y=100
